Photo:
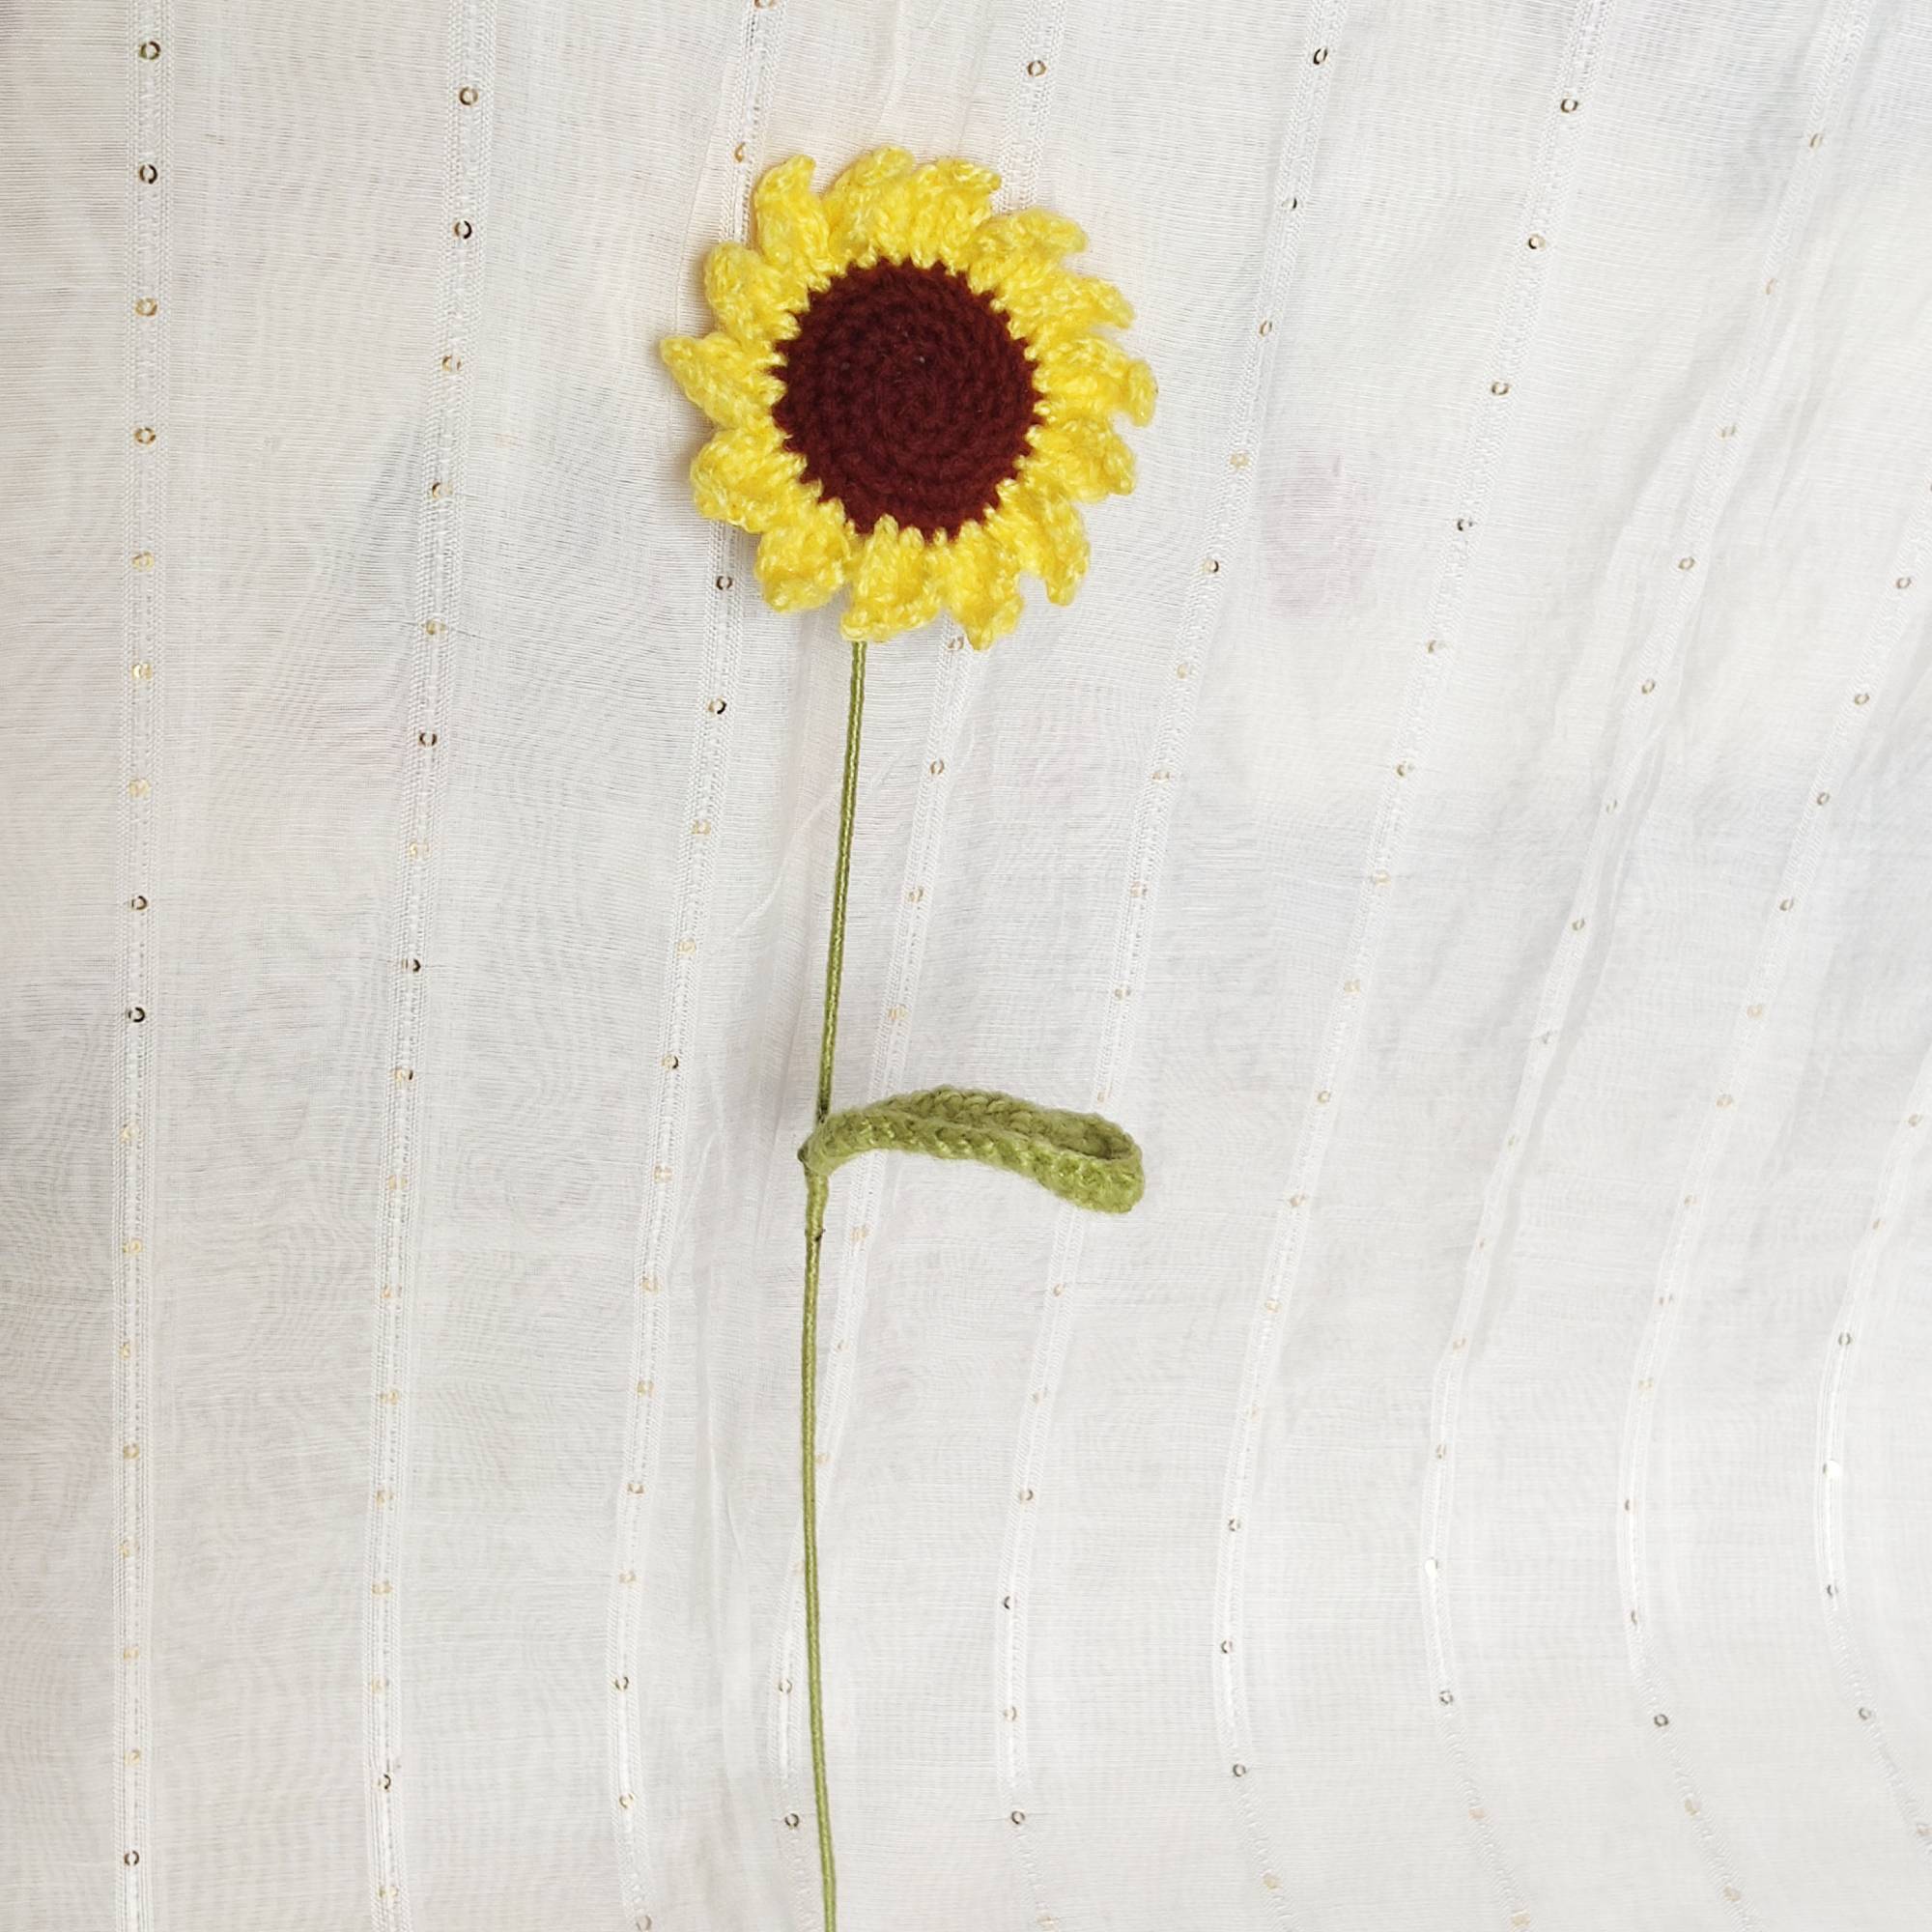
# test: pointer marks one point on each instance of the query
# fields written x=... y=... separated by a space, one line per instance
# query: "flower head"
x=911 y=395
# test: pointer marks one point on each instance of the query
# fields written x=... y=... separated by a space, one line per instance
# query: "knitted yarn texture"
x=1080 y=1157
x=907 y=396
x=911 y=395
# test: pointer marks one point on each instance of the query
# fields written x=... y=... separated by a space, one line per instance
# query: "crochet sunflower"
x=910 y=395
x=911 y=398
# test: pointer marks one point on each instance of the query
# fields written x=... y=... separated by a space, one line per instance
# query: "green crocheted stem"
x=814 y=1237
x=1080 y=1157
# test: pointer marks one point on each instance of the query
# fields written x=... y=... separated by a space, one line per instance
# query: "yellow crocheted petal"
x=1040 y=528
x=751 y=299
x=747 y=477
x=789 y=221
x=863 y=174
x=981 y=585
x=1048 y=303
x=1089 y=376
x=1084 y=458
x=896 y=585
x=731 y=383
x=886 y=223
x=802 y=561
x=850 y=199
x=1032 y=231
x=946 y=204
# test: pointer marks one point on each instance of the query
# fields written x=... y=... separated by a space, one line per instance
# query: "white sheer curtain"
x=1474 y=827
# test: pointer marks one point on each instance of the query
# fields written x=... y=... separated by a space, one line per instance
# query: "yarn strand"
x=1080 y=1157
x=817 y=1185
x=835 y=950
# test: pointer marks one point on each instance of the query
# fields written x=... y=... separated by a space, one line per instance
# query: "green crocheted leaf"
x=1080 y=1157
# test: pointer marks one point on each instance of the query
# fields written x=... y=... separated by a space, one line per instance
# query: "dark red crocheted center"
x=908 y=396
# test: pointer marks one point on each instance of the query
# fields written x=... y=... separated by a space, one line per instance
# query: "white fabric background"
x=1516 y=1162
